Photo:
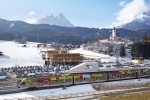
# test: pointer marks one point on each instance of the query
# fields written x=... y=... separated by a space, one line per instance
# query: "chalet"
x=63 y=57
x=138 y=60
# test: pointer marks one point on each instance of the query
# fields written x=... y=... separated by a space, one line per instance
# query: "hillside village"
x=111 y=46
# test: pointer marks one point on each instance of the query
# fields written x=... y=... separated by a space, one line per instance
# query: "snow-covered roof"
x=91 y=67
x=85 y=67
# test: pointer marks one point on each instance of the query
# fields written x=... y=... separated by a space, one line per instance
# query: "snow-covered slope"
x=140 y=22
x=15 y=54
x=89 y=54
x=59 y=20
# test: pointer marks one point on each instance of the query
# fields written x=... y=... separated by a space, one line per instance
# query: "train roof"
x=93 y=67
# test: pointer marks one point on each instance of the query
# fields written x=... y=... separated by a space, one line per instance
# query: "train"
x=83 y=74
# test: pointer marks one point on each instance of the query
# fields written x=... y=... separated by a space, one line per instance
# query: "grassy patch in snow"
x=136 y=96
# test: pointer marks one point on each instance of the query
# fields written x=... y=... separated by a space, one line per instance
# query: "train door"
x=85 y=79
x=46 y=82
x=133 y=75
x=118 y=76
x=97 y=78
x=128 y=75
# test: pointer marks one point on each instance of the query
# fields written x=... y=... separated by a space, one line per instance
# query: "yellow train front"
x=46 y=81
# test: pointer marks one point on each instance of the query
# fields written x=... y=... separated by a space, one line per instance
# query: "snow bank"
x=113 y=59
x=73 y=89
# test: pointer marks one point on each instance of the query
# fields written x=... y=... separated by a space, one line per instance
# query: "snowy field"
x=15 y=54
x=73 y=89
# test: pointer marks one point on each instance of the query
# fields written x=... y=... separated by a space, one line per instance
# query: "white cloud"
x=31 y=13
x=130 y=11
x=122 y=3
x=31 y=21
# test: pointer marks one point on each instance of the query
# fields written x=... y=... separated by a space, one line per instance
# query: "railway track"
x=10 y=89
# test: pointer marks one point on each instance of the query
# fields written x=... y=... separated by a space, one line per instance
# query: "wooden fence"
x=103 y=90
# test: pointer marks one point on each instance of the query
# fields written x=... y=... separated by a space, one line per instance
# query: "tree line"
x=47 y=38
x=141 y=48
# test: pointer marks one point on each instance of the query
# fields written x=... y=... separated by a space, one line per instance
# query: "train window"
x=114 y=76
x=128 y=75
x=111 y=76
x=44 y=75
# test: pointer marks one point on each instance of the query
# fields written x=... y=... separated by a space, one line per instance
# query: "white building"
x=114 y=32
x=113 y=35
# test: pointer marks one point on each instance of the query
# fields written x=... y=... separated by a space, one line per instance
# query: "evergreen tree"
x=133 y=50
x=110 y=50
x=122 y=51
x=145 y=46
x=145 y=37
x=149 y=37
x=23 y=40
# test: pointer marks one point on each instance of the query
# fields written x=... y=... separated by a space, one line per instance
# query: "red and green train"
x=85 y=77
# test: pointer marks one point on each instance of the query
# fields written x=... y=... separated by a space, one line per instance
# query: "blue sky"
x=85 y=13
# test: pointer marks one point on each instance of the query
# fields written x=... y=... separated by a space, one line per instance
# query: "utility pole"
x=139 y=74
x=64 y=76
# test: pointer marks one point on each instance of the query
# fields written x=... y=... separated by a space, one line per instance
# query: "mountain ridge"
x=59 y=20
x=47 y=33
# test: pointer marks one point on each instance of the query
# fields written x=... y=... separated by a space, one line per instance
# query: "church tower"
x=114 y=32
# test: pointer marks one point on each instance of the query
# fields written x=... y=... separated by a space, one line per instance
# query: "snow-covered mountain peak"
x=141 y=21
x=61 y=15
x=59 y=20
